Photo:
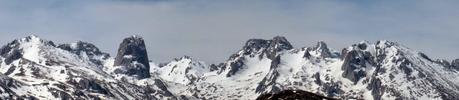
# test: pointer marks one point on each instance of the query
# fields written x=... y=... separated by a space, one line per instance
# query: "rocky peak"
x=321 y=45
x=255 y=47
x=31 y=37
x=132 y=58
x=356 y=59
x=279 y=43
x=276 y=44
x=183 y=58
x=321 y=50
x=30 y=40
x=184 y=70
x=14 y=50
x=363 y=45
x=85 y=49
x=385 y=44
x=36 y=40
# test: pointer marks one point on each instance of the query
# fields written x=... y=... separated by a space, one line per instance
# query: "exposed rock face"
x=6 y=86
x=443 y=62
x=425 y=56
x=10 y=53
x=455 y=64
x=277 y=44
x=269 y=47
x=260 y=47
x=322 y=49
x=132 y=58
x=354 y=65
x=84 y=49
x=356 y=60
x=270 y=79
x=293 y=95
x=319 y=51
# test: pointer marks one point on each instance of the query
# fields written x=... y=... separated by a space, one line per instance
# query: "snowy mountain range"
x=35 y=68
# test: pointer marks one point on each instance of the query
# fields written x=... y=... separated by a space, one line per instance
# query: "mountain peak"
x=28 y=46
x=264 y=66
x=85 y=49
x=281 y=43
x=132 y=58
x=33 y=36
x=321 y=45
x=277 y=43
x=34 y=39
x=183 y=70
x=256 y=44
x=321 y=49
x=135 y=37
x=385 y=43
x=183 y=57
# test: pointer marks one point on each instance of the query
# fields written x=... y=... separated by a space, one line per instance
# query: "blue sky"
x=212 y=30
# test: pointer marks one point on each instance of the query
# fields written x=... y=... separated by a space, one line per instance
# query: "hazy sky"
x=212 y=30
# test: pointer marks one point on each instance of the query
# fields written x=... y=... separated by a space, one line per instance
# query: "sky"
x=212 y=30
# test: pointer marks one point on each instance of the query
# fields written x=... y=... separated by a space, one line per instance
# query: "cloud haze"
x=213 y=30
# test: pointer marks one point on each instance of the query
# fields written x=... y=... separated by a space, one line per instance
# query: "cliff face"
x=132 y=58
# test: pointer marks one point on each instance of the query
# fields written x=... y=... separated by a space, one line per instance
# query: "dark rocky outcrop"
x=376 y=88
x=270 y=79
x=254 y=45
x=11 y=54
x=86 y=49
x=277 y=44
x=132 y=58
x=307 y=54
x=354 y=64
x=162 y=86
x=356 y=61
x=455 y=64
x=7 y=85
x=268 y=47
x=293 y=95
x=235 y=66
x=425 y=56
x=322 y=48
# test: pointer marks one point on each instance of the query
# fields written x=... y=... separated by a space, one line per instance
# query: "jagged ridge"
x=383 y=70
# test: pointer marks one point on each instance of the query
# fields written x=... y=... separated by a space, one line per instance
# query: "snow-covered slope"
x=383 y=70
x=33 y=68
x=183 y=70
